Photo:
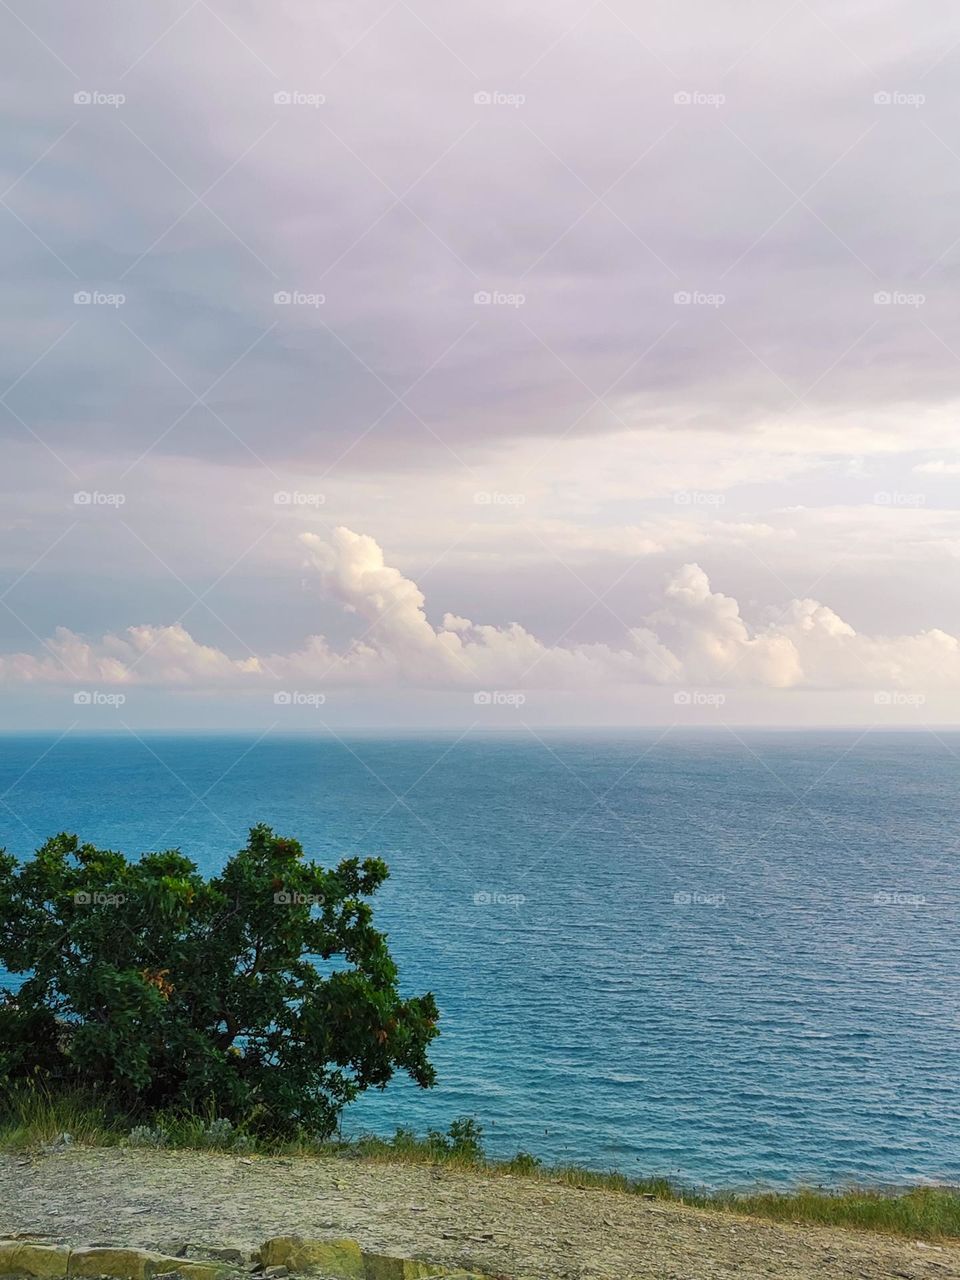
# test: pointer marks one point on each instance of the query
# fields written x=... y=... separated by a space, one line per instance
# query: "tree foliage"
x=264 y=993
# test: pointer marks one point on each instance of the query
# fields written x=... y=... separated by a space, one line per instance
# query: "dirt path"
x=508 y=1225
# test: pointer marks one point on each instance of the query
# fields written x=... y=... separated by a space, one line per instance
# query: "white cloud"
x=938 y=468
x=696 y=635
x=141 y=655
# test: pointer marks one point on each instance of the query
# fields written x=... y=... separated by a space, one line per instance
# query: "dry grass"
x=31 y=1119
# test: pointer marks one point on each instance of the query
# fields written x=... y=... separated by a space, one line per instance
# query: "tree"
x=264 y=993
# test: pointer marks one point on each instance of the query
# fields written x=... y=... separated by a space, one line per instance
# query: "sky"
x=393 y=363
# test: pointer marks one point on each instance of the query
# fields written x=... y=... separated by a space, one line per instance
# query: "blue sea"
x=729 y=959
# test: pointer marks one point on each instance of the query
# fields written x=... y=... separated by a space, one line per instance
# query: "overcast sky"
x=435 y=364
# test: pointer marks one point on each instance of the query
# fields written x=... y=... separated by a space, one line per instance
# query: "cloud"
x=797 y=199
x=140 y=655
x=938 y=468
x=695 y=636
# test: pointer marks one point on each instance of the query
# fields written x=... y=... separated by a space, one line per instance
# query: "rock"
x=175 y=1248
x=206 y=1252
x=340 y=1258
x=379 y=1266
x=186 y=1269
x=278 y=1257
x=45 y=1261
x=463 y=1275
x=124 y=1264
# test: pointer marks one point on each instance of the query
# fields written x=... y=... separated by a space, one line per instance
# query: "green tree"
x=264 y=993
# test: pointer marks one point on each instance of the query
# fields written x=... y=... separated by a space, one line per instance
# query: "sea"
x=727 y=957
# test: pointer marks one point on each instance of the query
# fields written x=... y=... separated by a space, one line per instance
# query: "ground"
x=506 y=1225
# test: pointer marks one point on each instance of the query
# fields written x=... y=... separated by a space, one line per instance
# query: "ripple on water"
x=677 y=993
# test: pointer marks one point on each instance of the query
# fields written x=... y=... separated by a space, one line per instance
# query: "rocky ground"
x=509 y=1226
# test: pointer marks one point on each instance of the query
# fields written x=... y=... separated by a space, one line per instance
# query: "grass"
x=31 y=1119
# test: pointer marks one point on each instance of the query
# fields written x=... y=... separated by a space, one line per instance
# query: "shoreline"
x=35 y=1125
x=510 y=1225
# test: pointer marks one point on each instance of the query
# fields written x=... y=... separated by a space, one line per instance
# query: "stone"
x=44 y=1261
x=340 y=1258
x=379 y=1266
x=175 y=1248
x=206 y=1252
x=188 y=1269
x=123 y=1264
x=463 y=1275
x=276 y=1273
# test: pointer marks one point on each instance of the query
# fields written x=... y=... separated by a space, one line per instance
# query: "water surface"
x=725 y=959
